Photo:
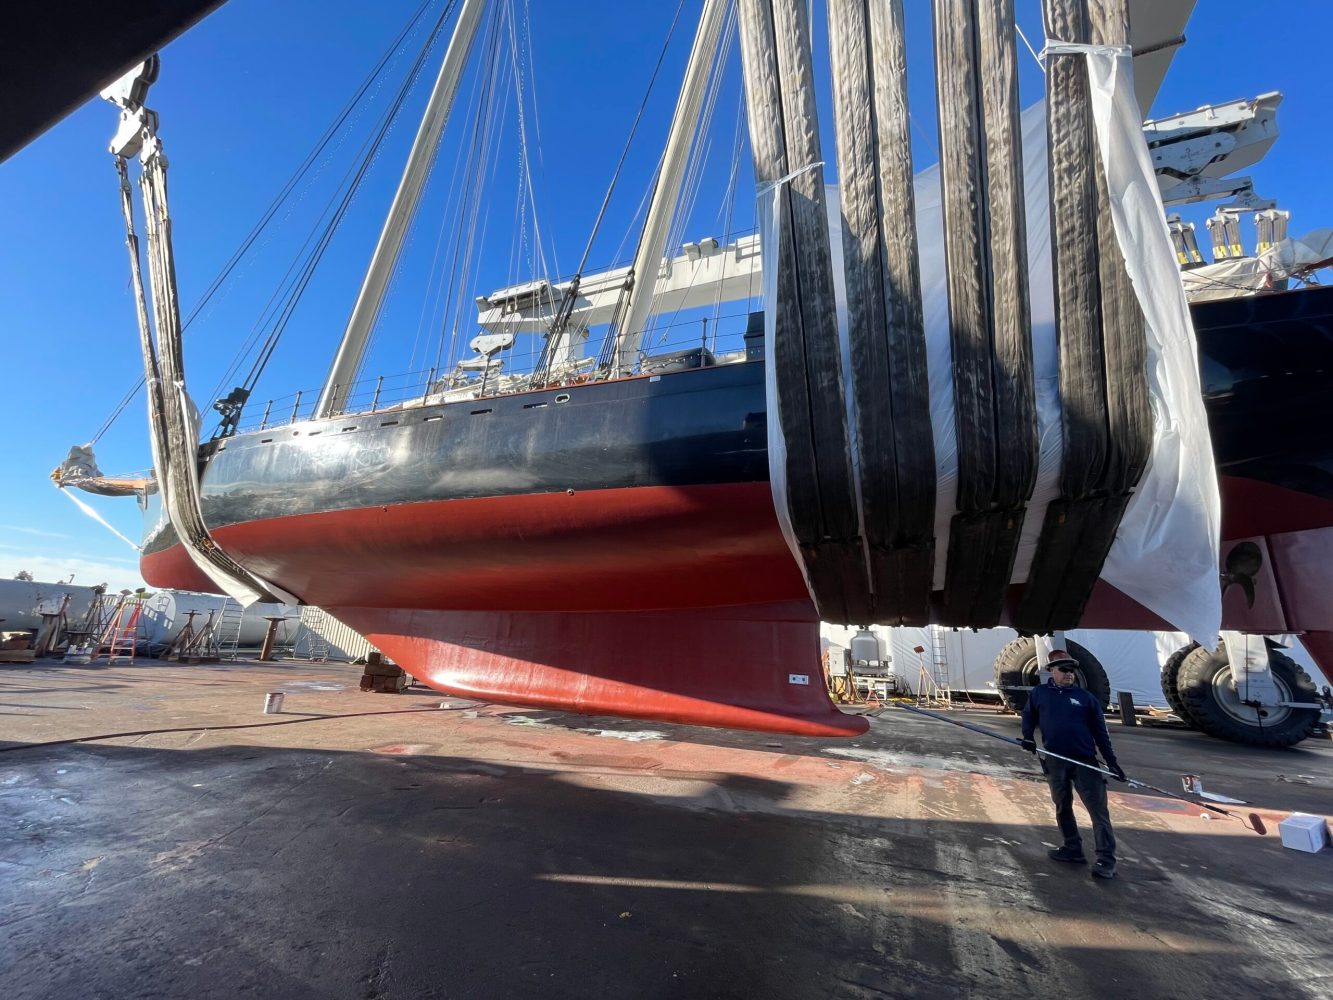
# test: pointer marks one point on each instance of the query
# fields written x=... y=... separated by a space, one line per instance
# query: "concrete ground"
x=388 y=847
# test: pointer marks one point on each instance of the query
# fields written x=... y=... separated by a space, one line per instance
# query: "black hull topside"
x=525 y=468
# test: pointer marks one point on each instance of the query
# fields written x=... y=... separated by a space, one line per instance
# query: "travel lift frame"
x=1191 y=153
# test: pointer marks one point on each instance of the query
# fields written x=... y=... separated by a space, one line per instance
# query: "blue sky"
x=245 y=94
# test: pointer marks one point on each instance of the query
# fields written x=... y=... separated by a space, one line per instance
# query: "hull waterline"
x=638 y=513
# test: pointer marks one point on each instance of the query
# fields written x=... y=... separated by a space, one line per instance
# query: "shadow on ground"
x=252 y=871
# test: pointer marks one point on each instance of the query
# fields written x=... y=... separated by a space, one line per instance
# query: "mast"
x=652 y=242
x=342 y=373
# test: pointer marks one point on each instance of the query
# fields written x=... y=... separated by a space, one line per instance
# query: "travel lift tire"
x=1171 y=683
x=1016 y=670
x=1209 y=695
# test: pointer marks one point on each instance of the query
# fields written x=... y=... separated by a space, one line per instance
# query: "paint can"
x=273 y=703
x=1192 y=783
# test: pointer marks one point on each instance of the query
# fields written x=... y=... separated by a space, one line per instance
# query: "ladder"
x=228 y=630
x=121 y=636
x=932 y=686
x=84 y=639
x=939 y=658
x=312 y=637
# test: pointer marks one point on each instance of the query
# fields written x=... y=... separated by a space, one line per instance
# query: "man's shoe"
x=1067 y=854
x=1103 y=869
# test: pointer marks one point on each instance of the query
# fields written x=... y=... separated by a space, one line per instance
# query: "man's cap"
x=1058 y=656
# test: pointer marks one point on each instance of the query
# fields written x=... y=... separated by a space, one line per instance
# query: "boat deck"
x=392 y=847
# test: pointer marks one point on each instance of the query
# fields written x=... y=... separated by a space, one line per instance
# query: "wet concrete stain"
x=453 y=861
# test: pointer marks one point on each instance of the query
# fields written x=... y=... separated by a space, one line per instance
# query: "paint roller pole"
x=1256 y=822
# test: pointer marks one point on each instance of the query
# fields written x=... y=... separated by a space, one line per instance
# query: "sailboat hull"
x=755 y=667
x=613 y=547
x=628 y=549
x=729 y=623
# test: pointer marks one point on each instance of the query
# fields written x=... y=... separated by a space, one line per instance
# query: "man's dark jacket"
x=1071 y=722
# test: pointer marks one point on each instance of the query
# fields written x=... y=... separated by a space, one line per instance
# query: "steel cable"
x=286 y=190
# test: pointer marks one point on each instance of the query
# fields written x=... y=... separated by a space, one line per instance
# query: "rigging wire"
x=729 y=204
x=471 y=262
x=278 y=297
x=567 y=306
x=532 y=75
x=700 y=151
x=297 y=176
x=633 y=226
x=524 y=159
x=430 y=302
x=521 y=179
x=374 y=146
x=1040 y=65
x=527 y=254
x=489 y=114
x=536 y=114
x=249 y=345
x=685 y=197
x=638 y=117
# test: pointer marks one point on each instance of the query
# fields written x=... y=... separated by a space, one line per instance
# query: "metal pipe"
x=385 y=258
x=266 y=651
x=652 y=244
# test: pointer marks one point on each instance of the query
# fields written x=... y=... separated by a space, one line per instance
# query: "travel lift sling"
x=1192 y=155
x=172 y=424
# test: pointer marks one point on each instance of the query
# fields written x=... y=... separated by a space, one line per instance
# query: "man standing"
x=1072 y=725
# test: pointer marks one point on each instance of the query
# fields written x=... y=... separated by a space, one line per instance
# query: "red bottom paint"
x=676 y=604
x=751 y=668
x=1320 y=647
x=646 y=548
x=1252 y=507
x=611 y=602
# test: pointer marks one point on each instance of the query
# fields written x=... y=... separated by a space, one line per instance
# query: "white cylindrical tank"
x=23 y=602
x=167 y=611
x=867 y=652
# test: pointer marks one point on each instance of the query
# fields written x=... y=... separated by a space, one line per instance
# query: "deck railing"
x=721 y=335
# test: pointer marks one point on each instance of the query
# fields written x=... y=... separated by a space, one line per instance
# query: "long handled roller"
x=1256 y=822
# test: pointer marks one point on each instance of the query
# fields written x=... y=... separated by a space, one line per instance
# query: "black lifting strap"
x=1105 y=405
x=784 y=136
x=989 y=317
x=886 y=330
